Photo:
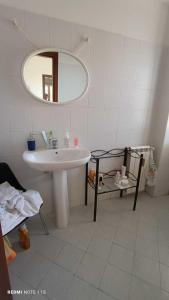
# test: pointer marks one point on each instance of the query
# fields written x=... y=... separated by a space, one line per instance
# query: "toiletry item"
x=44 y=134
x=9 y=252
x=117 y=177
x=123 y=171
x=92 y=175
x=67 y=140
x=31 y=143
x=76 y=142
x=24 y=239
x=100 y=181
x=50 y=138
x=124 y=181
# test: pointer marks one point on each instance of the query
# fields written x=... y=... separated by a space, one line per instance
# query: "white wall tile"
x=110 y=114
x=78 y=125
x=20 y=119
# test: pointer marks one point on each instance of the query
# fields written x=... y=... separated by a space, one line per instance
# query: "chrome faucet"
x=50 y=142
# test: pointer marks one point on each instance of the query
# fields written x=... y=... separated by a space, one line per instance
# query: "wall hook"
x=84 y=41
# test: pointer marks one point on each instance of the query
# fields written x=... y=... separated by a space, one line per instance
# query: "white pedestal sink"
x=58 y=161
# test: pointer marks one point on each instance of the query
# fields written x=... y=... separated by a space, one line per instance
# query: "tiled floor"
x=123 y=256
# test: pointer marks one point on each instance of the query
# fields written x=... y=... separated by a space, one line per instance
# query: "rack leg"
x=86 y=185
x=124 y=163
x=138 y=182
x=96 y=190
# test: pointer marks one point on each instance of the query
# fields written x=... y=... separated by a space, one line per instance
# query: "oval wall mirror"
x=54 y=76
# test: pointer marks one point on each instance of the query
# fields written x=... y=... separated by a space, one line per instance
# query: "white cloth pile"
x=16 y=205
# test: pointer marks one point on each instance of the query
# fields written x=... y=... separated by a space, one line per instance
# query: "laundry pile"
x=16 y=205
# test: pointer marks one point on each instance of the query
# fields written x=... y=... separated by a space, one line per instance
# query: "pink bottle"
x=76 y=142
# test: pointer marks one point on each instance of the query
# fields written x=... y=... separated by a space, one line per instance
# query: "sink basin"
x=55 y=159
x=58 y=161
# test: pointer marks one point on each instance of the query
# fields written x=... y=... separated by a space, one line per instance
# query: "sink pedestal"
x=58 y=161
x=61 y=198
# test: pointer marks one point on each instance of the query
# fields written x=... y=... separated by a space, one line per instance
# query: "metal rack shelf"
x=109 y=185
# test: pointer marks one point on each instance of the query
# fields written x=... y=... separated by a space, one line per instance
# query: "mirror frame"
x=59 y=51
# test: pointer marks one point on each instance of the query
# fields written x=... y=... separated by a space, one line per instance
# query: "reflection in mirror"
x=55 y=77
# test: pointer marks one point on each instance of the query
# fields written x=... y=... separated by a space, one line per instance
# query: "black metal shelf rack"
x=110 y=186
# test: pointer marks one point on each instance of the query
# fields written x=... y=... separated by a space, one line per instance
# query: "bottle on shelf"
x=117 y=177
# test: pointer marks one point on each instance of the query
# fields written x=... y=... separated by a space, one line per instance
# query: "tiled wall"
x=115 y=112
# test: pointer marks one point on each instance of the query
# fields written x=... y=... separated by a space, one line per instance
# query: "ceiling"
x=135 y=18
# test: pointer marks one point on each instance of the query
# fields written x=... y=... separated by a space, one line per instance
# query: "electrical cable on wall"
x=82 y=43
x=17 y=26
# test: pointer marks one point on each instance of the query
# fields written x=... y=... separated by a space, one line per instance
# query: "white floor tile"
x=164 y=296
x=105 y=231
x=103 y=296
x=69 y=257
x=163 y=238
x=57 y=283
x=38 y=297
x=35 y=226
x=116 y=283
x=81 y=290
x=22 y=258
x=121 y=258
x=164 y=221
x=78 y=235
x=49 y=246
x=164 y=277
x=33 y=268
x=164 y=255
x=79 y=215
x=91 y=269
x=149 y=219
x=148 y=248
x=109 y=219
x=19 y=285
x=129 y=221
x=99 y=247
x=143 y=291
x=147 y=232
x=147 y=270
x=125 y=238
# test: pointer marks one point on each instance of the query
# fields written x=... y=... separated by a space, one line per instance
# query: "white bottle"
x=117 y=177
x=67 y=140
x=124 y=181
x=123 y=171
